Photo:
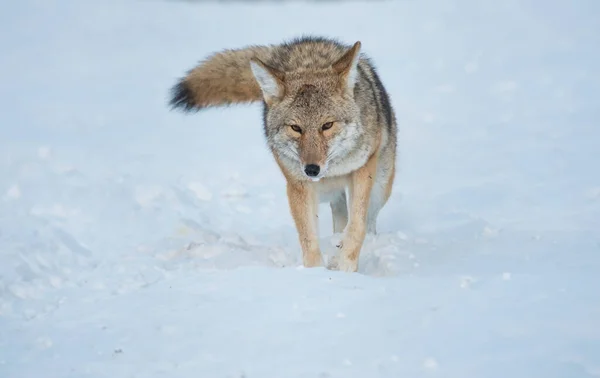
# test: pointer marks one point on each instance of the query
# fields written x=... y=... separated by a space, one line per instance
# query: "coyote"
x=328 y=122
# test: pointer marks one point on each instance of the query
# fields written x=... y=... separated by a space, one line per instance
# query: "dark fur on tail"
x=182 y=97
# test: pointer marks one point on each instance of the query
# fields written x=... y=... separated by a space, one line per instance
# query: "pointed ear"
x=347 y=67
x=269 y=79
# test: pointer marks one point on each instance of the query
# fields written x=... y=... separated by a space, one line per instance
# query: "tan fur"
x=303 y=204
x=225 y=78
x=325 y=107
x=361 y=183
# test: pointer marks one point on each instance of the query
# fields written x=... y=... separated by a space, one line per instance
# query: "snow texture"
x=139 y=242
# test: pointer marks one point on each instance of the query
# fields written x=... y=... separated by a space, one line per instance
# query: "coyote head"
x=311 y=116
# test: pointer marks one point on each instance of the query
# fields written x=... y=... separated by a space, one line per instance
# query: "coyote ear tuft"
x=269 y=79
x=347 y=66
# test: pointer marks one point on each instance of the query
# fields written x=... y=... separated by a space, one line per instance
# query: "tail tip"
x=182 y=97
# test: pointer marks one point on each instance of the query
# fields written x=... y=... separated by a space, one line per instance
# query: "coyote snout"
x=312 y=151
x=312 y=170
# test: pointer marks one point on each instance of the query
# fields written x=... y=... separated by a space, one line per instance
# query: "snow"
x=139 y=242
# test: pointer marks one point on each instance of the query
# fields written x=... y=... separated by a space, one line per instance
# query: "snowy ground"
x=137 y=242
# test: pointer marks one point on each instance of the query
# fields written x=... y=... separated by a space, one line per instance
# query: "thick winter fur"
x=328 y=122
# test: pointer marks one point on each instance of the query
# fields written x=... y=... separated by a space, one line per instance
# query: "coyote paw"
x=343 y=264
x=347 y=265
x=313 y=261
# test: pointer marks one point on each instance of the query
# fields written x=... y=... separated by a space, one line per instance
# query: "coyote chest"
x=330 y=188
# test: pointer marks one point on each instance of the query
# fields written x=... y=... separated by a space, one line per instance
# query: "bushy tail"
x=223 y=78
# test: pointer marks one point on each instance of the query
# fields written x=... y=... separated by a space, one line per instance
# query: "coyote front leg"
x=302 y=198
x=360 y=193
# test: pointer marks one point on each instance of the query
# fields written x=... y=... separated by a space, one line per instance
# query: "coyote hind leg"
x=339 y=212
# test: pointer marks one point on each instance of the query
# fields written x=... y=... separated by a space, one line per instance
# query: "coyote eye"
x=327 y=126
x=296 y=128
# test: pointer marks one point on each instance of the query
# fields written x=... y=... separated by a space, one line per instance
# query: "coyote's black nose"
x=312 y=170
